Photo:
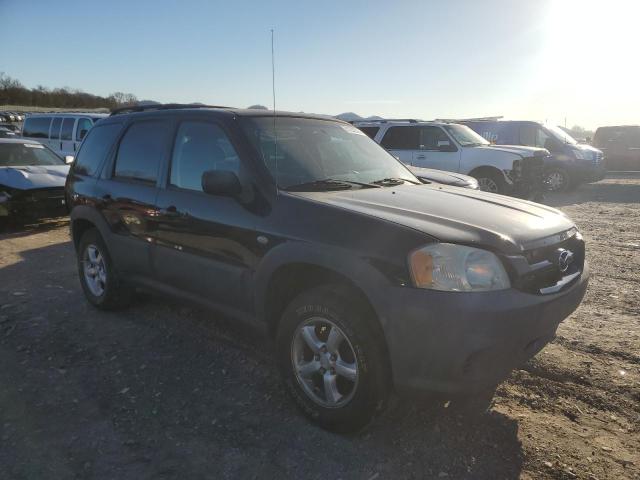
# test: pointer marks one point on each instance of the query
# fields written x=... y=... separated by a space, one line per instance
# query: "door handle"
x=421 y=157
x=170 y=211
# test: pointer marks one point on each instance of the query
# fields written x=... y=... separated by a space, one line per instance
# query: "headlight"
x=457 y=268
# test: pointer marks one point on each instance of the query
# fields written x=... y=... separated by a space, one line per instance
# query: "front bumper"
x=454 y=342
x=587 y=172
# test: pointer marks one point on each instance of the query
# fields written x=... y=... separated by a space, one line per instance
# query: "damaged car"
x=31 y=181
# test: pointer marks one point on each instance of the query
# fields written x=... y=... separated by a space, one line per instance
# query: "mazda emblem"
x=565 y=257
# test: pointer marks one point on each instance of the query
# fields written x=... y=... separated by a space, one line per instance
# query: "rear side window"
x=401 y=138
x=67 y=129
x=199 y=147
x=430 y=136
x=141 y=151
x=36 y=127
x=370 y=132
x=55 y=128
x=84 y=124
x=95 y=148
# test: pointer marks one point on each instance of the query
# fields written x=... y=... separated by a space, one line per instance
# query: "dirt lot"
x=164 y=390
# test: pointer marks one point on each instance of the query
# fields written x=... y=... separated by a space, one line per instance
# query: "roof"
x=407 y=122
x=68 y=114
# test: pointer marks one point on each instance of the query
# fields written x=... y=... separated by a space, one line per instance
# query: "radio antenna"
x=273 y=91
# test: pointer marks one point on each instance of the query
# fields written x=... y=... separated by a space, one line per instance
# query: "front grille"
x=597 y=158
x=544 y=271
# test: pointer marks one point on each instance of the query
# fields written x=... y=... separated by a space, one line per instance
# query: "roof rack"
x=385 y=120
x=160 y=106
x=475 y=119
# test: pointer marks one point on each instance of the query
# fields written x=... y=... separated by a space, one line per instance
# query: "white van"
x=513 y=170
x=62 y=132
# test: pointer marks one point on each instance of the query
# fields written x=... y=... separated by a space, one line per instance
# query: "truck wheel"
x=491 y=182
x=333 y=359
x=557 y=180
x=98 y=277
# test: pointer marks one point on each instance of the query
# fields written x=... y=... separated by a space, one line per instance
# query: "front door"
x=205 y=244
x=436 y=150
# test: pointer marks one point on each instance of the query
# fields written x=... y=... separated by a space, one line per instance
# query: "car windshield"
x=314 y=154
x=26 y=154
x=465 y=136
x=560 y=134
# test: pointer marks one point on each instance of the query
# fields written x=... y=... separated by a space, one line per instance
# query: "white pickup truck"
x=514 y=170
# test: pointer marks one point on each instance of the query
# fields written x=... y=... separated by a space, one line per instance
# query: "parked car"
x=456 y=148
x=11 y=126
x=570 y=164
x=32 y=180
x=62 y=132
x=6 y=133
x=431 y=175
x=365 y=278
x=621 y=146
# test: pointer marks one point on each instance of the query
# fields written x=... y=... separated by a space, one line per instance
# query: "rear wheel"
x=332 y=359
x=98 y=277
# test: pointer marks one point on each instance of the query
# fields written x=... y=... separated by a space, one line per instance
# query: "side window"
x=141 y=151
x=543 y=139
x=199 y=147
x=370 y=132
x=55 y=128
x=528 y=135
x=632 y=138
x=430 y=136
x=36 y=127
x=67 y=129
x=84 y=124
x=401 y=138
x=95 y=149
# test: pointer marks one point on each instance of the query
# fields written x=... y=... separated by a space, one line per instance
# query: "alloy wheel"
x=488 y=185
x=556 y=181
x=94 y=270
x=324 y=362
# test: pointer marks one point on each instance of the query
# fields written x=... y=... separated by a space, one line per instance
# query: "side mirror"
x=444 y=146
x=221 y=182
x=68 y=159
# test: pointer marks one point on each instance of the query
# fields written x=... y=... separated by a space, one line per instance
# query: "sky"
x=563 y=61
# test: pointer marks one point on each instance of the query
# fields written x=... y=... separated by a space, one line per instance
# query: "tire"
x=110 y=293
x=492 y=182
x=557 y=180
x=361 y=391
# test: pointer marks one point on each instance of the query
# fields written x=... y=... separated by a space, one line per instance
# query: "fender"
x=356 y=269
x=91 y=214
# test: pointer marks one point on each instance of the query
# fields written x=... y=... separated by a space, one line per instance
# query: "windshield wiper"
x=389 y=182
x=328 y=184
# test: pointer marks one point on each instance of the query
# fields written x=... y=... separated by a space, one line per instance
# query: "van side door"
x=67 y=145
x=436 y=150
x=205 y=244
x=402 y=141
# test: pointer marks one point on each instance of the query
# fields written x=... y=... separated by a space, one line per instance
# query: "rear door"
x=436 y=150
x=205 y=244
x=402 y=142
x=67 y=144
x=130 y=189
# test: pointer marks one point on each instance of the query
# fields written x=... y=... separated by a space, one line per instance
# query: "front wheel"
x=557 y=180
x=491 y=182
x=332 y=359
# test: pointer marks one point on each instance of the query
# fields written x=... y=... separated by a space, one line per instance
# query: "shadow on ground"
x=164 y=390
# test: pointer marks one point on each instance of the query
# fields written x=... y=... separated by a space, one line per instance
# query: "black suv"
x=366 y=279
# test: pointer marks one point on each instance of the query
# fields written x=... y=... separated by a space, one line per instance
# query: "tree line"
x=12 y=92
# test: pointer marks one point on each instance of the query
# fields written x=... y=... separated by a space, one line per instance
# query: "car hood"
x=36 y=176
x=521 y=150
x=441 y=176
x=586 y=148
x=456 y=215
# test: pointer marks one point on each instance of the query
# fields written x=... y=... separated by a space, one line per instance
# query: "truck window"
x=371 y=132
x=55 y=128
x=401 y=138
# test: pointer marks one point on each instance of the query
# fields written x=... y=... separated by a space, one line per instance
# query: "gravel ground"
x=165 y=390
